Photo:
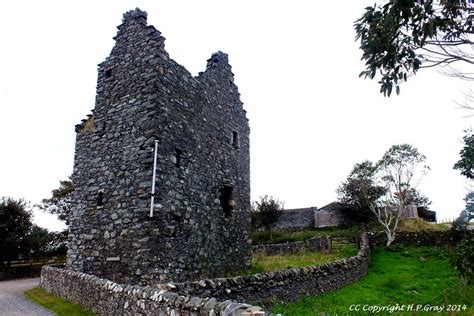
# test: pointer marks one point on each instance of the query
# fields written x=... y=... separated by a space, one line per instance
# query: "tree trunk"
x=390 y=238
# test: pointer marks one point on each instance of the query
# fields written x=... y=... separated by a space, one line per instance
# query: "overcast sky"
x=296 y=65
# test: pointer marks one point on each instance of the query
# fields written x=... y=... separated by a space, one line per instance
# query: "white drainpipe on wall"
x=154 y=179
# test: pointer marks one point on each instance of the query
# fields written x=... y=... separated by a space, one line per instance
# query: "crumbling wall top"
x=136 y=14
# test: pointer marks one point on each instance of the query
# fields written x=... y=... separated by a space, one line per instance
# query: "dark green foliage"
x=466 y=164
x=15 y=223
x=37 y=242
x=266 y=212
x=20 y=239
x=359 y=191
x=402 y=36
x=463 y=258
x=461 y=223
x=60 y=201
x=57 y=243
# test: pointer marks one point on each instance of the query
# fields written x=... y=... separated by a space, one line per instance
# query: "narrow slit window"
x=100 y=198
x=227 y=200
x=179 y=157
x=235 y=139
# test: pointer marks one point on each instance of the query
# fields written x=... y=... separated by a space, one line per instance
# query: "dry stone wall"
x=201 y=222
x=285 y=285
x=105 y=297
x=418 y=238
x=312 y=244
x=208 y=296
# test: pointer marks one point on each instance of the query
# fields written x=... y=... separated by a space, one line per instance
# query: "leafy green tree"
x=461 y=223
x=466 y=164
x=15 y=224
x=37 y=242
x=57 y=243
x=401 y=167
x=400 y=37
x=267 y=212
x=60 y=201
x=358 y=191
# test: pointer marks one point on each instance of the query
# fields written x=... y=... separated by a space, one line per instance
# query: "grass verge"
x=56 y=304
x=421 y=276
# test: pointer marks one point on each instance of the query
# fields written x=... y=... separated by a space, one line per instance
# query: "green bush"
x=463 y=258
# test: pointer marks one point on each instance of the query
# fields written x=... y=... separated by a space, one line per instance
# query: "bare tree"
x=399 y=171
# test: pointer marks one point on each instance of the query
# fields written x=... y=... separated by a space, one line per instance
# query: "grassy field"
x=58 y=305
x=421 y=276
x=263 y=263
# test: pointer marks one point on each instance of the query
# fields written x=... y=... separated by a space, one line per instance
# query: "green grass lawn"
x=58 y=305
x=412 y=275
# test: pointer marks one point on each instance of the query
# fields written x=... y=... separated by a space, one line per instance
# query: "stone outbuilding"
x=162 y=167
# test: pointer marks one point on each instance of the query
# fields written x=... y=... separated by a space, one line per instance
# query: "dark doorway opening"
x=227 y=200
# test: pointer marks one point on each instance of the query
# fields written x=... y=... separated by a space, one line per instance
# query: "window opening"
x=227 y=200
x=235 y=139
x=179 y=156
x=108 y=73
x=100 y=198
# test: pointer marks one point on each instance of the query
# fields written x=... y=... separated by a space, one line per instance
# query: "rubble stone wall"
x=105 y=297
x=285 y=285
x=329 y=218
x=311 y=244
x=296 y=218
x=418 y=238
x=208 y=296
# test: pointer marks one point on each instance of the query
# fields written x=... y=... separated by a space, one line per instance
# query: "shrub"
x=463 y=258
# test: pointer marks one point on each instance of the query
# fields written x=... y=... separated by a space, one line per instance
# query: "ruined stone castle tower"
x=199 y=222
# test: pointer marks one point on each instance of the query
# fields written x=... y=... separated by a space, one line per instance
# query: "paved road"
x=13 y=302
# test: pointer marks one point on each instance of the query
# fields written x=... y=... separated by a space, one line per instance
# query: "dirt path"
x=13 y=302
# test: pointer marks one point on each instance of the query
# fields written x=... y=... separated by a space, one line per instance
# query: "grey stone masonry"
x=284 y=285
x=296 y=218
x=313 y=244
x=208 y=296
x=108 y=298
x=201 y=222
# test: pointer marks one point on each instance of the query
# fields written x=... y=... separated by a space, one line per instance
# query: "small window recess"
x=235 y=139
x=179 y=157
x=227 y=200
x=108 y=73
x=100 y=199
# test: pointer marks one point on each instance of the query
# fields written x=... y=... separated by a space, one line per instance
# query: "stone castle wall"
x=201 y=221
